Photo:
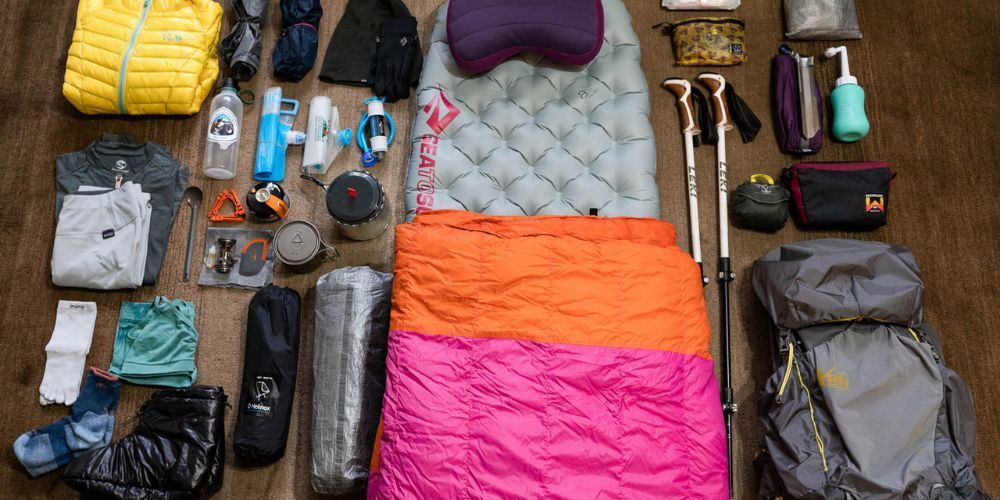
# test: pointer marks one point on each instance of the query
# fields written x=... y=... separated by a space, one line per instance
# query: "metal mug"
x=299 y=246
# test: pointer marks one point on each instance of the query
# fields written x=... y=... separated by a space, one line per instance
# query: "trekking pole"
x=681 y=89
x=716 y=85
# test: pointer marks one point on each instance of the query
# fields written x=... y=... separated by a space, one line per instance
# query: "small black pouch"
x=760 y=204
x=849 y=196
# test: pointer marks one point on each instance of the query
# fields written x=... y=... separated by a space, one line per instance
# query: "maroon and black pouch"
x=847 y=196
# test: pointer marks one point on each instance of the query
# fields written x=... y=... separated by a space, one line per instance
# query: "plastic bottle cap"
x=368 y=159
x=295 y=137
x=844 y=80
x=344 y=137
x=229 y=83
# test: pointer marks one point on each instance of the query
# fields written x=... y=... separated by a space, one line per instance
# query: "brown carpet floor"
x=931 y=73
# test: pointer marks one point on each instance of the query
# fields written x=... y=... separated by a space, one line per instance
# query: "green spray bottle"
x=848 y=98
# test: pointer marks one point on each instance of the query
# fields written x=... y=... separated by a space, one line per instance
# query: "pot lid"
x=297 y=242
x=354 y=197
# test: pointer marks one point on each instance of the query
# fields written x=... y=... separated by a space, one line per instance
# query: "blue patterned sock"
x=89 y=425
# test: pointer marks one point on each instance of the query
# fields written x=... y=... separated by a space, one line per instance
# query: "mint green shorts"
x=155 y=343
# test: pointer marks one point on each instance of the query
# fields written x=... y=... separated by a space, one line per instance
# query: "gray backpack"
x=860 y=404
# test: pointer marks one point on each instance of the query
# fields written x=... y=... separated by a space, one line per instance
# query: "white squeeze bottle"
x=223 y=147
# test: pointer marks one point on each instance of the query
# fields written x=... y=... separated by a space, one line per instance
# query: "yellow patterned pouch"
x=707 y=41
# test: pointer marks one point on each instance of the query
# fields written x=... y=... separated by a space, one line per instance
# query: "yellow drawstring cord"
x=812 y=416
x=788 y=370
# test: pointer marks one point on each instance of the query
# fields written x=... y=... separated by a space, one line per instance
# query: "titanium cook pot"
x=298 y=245
x=357 y=203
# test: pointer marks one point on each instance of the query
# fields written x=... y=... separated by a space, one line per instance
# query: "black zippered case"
x=849 y=196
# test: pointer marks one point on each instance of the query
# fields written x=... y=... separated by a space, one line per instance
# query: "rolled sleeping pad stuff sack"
x=352 y=326
x=270 y=364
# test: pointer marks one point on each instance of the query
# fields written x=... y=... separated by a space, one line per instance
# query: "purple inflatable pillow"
x=484 y=33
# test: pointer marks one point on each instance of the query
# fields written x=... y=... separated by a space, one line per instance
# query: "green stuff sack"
x=760 y=204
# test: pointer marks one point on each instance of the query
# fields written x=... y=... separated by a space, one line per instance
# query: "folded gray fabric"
x=352 y=325
x=234 y=278
x=117 y=159
x=102 y=239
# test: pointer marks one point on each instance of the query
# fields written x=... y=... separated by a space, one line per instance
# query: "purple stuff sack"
x=787 y=122
x=484 y=33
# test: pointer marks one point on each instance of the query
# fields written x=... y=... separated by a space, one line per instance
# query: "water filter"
x=375 y=132
x=222 y=148
x=324 y=137
x=850 y=123
x=274 y=135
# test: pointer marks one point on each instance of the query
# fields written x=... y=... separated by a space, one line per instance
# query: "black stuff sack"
x=760 y=204
x=270 y=364
x=847 y=196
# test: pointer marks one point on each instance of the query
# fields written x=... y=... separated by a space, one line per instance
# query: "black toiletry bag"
x=849 y=196
x=760 y=204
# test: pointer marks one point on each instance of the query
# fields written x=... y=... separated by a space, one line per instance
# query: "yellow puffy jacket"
x=143 y=57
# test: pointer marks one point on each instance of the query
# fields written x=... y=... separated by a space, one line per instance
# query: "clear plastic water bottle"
x=222 y=151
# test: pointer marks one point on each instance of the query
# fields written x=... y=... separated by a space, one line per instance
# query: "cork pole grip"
x=716 y=85
x=681 y=89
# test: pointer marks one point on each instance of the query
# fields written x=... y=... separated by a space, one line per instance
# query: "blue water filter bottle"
x=848 y=99
x=274 y=135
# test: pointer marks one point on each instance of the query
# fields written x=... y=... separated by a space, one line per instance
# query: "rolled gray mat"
x=352 y=325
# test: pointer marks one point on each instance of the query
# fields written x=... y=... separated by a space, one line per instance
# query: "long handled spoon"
x=193 y=197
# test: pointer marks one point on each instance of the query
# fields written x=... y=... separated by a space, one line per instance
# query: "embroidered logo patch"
x=874 y=203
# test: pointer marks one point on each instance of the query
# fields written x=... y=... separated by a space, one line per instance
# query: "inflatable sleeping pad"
x=535 y=137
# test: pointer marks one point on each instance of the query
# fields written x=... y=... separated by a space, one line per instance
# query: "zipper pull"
x=666 y=27
x=118 y=182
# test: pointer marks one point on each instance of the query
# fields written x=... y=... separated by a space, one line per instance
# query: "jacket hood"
x=815 y=281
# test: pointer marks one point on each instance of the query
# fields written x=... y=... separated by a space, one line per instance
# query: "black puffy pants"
x=177 y=450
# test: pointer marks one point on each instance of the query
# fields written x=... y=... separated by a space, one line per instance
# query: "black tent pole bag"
x=270 y=365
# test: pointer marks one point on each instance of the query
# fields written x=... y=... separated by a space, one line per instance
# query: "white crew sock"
x=67 y=352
